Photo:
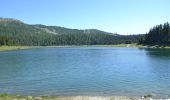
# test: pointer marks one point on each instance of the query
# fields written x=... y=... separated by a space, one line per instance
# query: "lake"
x=86 y=71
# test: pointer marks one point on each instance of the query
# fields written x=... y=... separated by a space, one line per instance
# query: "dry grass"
x=5 y=48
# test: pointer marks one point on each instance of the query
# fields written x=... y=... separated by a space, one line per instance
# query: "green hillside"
x=16 y=32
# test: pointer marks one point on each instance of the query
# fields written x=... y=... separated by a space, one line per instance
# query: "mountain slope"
x=63 y=30
x=15 y=25
x=21 y=33
x=16 y=32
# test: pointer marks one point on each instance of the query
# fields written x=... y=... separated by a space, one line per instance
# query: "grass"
x=5 y=96
x=5 y=48
x=149 y=95
x=126 y=45
x=112 y=45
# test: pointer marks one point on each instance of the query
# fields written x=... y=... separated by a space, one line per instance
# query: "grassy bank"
x=113 y=45
x=18 y=97
x=5 y=48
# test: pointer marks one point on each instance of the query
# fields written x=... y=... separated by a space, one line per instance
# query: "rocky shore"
x=18 y=97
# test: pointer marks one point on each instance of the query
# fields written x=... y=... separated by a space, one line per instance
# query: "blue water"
x=86 y=71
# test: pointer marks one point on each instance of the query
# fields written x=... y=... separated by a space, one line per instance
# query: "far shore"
x=6 y=48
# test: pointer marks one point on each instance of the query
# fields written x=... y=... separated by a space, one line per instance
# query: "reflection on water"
x=157 y=52
x=86 y=71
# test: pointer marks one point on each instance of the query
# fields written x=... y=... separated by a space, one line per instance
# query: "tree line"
x=158 y=35
x=68 y=39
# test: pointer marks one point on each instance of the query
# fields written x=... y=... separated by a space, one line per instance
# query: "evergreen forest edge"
x=15 y=32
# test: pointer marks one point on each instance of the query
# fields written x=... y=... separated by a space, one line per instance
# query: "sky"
x=116 y=16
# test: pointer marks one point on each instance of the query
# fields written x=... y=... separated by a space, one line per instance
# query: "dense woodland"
x=15 y=32
x=158 y=35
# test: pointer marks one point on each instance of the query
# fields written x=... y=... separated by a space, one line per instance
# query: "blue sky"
x=121 y=16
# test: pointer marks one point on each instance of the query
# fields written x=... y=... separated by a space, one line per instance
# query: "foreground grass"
x=18 y=97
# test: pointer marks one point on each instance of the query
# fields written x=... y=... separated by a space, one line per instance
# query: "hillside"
x=63 y=30
x=16 y=32
x=14 y=23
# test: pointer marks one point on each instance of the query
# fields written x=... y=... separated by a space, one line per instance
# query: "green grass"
x=6 y=96
x=3 y=95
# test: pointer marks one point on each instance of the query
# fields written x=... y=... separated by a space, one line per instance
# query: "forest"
x=158 y=35
x=16 y=32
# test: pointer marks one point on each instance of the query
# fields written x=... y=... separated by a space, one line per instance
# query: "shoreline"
x=9 y=48
x=20 y=97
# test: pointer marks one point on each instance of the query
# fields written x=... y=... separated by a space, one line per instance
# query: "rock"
x=142 y=97
x=38 y=98
x=29 y=97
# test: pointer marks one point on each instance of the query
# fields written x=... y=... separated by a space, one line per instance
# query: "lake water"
x=86 y=71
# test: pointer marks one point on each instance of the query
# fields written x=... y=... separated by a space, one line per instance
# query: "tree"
x=158 y=35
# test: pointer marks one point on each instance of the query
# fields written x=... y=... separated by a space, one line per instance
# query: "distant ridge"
x=54 y=29
x=63 y=30
x=16 y=32
x=9 y=20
